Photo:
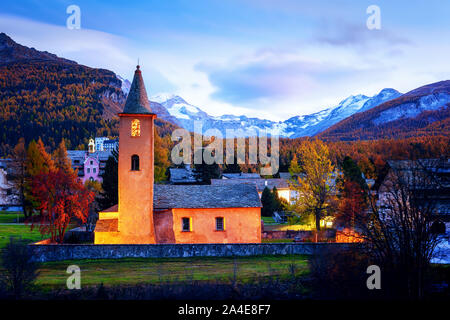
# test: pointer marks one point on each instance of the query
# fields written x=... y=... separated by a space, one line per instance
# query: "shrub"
x=19 y=271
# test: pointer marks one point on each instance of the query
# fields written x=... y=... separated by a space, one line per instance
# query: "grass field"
x=276 y=240
x=131 y=271
x=23 y=231
x=10 y=217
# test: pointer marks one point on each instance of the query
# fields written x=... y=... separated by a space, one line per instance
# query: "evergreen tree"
x=352 y=172
x=204 y=172
x=233 y=167
x=110 y=194
x=279 y=204
x=267 y=201
x=19 y=175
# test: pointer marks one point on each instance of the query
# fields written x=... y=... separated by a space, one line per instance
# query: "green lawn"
x=131 y=271
x=23 y=231
x=10 y=217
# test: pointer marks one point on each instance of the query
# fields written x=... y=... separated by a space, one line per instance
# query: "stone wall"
x=56 y=252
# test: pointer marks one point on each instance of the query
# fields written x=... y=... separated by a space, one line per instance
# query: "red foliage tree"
x=61 y=197
x=352 y=205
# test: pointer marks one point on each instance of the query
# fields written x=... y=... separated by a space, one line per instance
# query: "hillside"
x=42 y=95
x=422 y=111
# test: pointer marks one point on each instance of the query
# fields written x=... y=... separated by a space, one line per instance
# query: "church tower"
x=136 y=171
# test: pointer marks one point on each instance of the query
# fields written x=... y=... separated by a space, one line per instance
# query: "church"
x=149 y=213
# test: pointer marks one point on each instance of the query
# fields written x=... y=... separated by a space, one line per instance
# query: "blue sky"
x=269 y=59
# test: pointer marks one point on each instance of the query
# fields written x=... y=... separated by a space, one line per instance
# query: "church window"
x=186 y=224
x=135 y=162
x=220 y=224
x=135 y=128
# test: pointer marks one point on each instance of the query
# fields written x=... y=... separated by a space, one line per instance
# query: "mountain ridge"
x=424 y=109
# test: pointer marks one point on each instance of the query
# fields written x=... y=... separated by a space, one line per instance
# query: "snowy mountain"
x=423 y=111
x=175 y=109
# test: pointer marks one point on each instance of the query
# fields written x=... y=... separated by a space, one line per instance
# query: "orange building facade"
x=149 y=213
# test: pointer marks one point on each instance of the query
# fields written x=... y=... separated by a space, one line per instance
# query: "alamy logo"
x=74 y=20
x=258 y=149
x=74 y=280
x=374 y=20
x=374 y=281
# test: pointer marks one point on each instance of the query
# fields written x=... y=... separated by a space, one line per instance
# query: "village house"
x=9 y=200
x=428 y=178
x=152 y=213
x=90 y=165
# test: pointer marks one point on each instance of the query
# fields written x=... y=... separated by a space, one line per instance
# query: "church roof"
x=137 y=100
x=205 y=196
x=166 y=196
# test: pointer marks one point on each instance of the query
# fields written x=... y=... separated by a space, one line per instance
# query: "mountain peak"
x=164 y=97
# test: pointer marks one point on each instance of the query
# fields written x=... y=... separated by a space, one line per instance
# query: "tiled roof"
x=260 y=183
x=241 y=175
x=80 y=154
x=205 y=196
x=137 y=101
x=166 y=196
x=285 y=175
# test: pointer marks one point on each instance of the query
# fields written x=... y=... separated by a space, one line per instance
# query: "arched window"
x=135 y=162
x=135 y=128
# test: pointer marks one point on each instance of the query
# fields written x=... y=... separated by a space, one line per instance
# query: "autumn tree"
x=161 y=158
x=352 y=204
x=62 y=161
x=62 y=197
x=94 y=207
x=314 y=182
x=38 y=161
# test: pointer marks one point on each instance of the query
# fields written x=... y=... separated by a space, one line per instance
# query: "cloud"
x=270 y=75
x=89 y=47
x=86 y=46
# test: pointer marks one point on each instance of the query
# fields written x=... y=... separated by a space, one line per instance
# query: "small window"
x=88 y=170
x=135 y=128
x=186 y=224
x=94 y=170
x=135 y=162
x=220 y=224
x=92 y=162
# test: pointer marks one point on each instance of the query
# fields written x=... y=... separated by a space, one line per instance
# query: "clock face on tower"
x=135 y=128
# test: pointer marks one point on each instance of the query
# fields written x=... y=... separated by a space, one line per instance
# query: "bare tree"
x=398 y=228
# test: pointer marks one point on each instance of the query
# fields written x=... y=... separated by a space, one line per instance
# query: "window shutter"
x=190 y=223
x=224 y=225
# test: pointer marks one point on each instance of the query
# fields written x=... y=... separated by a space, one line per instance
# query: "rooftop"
x=260 y=183
x=137 y=100
x=202 y=196
x=205 y=196
x=241 y=175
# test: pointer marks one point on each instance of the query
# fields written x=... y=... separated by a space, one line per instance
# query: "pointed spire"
x=137 y=101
